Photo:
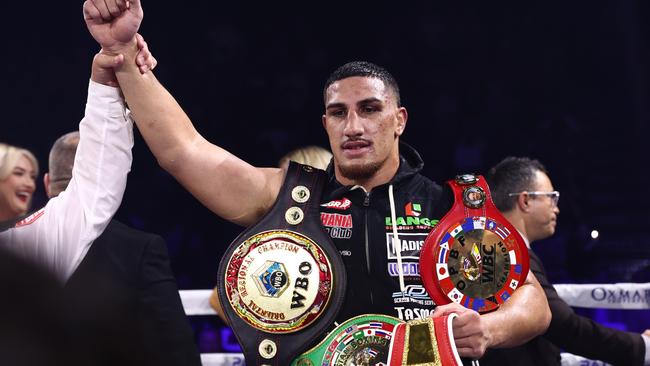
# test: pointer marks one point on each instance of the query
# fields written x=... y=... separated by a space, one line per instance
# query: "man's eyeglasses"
x=554 y=196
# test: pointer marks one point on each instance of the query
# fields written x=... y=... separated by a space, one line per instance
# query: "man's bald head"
x=61 y=162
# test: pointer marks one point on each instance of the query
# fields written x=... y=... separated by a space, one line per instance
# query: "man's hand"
x=470 y=332
x=113 y=23
x=104 y=64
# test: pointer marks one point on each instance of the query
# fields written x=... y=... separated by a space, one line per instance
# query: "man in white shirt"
x=58 y=235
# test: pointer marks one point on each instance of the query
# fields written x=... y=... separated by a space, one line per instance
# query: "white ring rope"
x=606 y=296
x=600 y=296
x=196 y=302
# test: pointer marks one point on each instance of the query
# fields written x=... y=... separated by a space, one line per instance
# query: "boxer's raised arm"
x=227 y=185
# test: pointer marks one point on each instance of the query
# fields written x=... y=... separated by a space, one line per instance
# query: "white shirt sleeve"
x=59 y=235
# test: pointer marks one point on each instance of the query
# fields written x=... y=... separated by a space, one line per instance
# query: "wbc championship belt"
x=473 y=256
x=382 y=340
x=282 y=281
x=362 y=340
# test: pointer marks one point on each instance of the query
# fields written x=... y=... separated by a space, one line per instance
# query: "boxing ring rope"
x=625 y=296
x=606 y=296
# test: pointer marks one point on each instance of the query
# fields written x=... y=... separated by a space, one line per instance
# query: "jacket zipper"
x=366 y=204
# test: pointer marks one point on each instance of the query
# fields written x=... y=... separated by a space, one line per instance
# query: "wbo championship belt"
x=473 y=256
x=382 y=340
x=282 y=281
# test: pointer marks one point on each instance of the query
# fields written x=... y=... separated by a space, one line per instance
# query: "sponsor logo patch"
x=408 y=269
x=412 y=209
x=342 y=204
x=419 y=222
x=31 y=218
x=336 y=220
x=412 y=294
x=413 y=219
x=337 y=225
x=410 y=243
x=412 y=313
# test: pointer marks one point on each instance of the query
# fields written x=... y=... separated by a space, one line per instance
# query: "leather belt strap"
x=282 y=281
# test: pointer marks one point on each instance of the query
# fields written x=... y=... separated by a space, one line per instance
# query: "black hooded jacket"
x=360 y=225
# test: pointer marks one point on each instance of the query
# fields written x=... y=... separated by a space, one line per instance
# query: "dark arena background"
x=567 y=83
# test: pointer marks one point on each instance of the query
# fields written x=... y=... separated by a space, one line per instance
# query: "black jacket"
x=125 y=302
x=360 y=226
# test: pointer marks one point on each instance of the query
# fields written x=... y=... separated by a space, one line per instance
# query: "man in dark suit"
x=123 y=296
x=523 y=192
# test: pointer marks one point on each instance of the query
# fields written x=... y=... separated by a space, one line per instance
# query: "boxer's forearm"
x=524 y=316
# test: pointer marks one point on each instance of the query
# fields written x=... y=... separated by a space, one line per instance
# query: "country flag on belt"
x=345 y=333
x=518 y=269
x=349 y=339
x=340 y=347
x=466 y=301
x=513 y=260
x=513 y=284
x=503 y=232
x=457 y=230
x=491 y=225
x=443 y=252
x=332 y=347
x=505 y=296
x=370 y=325
x=441 y=269
x=478 y=303
x=468 y=225
x=479 y=222
x=373 y=332
x=372 y=352
x=383 y=333
x=455 y=295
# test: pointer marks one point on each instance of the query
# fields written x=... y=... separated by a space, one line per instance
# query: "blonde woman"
x=18 y=171
x=313 y=155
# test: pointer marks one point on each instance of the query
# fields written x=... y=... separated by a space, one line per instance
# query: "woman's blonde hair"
x=313 y=155
x=9 y=156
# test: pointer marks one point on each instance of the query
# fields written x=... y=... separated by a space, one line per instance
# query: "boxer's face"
x=17 y=189
x=363 y=123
